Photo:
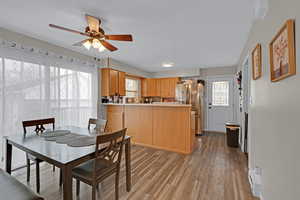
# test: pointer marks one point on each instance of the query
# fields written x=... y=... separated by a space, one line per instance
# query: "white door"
x=220 y=101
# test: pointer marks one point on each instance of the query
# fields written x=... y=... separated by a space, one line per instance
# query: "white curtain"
x=34 y=88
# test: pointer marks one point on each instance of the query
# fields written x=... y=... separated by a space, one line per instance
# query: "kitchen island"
x=164 y=126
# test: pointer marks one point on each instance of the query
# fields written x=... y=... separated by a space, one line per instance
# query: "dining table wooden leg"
x=67 y=183
x=8 y=157
x=128 y=164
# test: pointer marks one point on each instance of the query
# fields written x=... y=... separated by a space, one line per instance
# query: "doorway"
x=245 y=102
x=220 y=103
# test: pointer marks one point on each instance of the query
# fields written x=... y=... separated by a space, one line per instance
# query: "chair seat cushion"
x=10 y=188
x=86 y=169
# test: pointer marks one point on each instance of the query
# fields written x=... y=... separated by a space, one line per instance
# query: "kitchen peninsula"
x=164 y=126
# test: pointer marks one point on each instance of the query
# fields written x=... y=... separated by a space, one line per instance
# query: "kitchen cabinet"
x=150 y=87
x=159 y=87
x=138 y=123
x=168 y=87
x=144 y=87
x=115 y=118
x=172 y=128
x=122 y=82
x=168 y=127
x=165 y=87
x=112 y=82
x=173 y=84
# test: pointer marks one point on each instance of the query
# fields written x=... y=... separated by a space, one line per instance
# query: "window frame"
x=213 y=94
x=138 y=91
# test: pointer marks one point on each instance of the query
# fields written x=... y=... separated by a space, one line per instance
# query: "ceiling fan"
x=97 y=38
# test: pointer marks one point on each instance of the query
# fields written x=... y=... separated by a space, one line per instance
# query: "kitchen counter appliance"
x=192 y=92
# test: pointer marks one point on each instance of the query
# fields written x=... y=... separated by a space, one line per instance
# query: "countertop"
x=148 y=104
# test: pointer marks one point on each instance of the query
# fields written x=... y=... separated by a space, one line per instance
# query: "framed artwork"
x=256 y=62
x=282 y=52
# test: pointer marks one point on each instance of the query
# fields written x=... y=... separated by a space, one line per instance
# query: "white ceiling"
x=189 y=33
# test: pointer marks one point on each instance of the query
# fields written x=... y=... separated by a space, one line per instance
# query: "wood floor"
x=212 y=172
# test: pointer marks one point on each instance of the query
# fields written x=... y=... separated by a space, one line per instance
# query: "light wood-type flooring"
x=212 y=172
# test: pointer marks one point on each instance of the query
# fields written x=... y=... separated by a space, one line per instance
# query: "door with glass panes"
x=220 y=103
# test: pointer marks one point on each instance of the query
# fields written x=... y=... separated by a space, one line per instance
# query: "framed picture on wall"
x=256 y=62
x=282 y=52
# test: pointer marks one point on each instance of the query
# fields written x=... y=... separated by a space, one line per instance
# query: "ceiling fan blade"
x=93 y=23
x=67 y=29
x=108 y=45
x=80 y=43
x=119 y=37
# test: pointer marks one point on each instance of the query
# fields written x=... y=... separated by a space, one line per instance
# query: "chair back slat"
x=112 y=153
x=100 y=124
x=39 y=124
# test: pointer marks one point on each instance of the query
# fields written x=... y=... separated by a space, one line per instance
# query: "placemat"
x=55 y=133
x=70 y=139
x=82 y=142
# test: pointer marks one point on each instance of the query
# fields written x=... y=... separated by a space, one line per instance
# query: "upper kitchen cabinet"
x=122 y=80
x=163 y=87
x=151 y=87
x=173 y=84
x=112 y=82
x=144 y=87
x=157 y=87
x=168 y=87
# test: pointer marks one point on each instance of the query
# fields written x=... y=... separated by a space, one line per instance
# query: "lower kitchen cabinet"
x=115 y=118
x=171 y=128
x=164 y=127
x=138 y=121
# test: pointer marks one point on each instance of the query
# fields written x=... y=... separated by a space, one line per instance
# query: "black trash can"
x=232 y=134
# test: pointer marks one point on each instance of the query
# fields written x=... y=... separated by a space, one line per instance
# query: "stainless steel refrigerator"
x=192 y=92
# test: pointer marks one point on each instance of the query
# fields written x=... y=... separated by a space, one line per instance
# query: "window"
x=33 y=91
x=220 y=93
x=132 y=87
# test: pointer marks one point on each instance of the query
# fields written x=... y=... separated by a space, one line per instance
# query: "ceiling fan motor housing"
x=101 y=31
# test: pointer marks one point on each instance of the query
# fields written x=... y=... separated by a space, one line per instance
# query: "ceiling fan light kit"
x=97 y=38
x=101 y=48
x=96 y=43
x=87 y=44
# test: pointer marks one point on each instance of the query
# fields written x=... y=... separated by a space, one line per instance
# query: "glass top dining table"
x=61 y=155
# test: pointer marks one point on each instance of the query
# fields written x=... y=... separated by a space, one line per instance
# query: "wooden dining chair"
x=100 y=124
x=39 y=129
x=107 y=160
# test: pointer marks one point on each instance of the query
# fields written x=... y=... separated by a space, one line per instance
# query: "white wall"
x=274 y=120
x=25 y=40
x=196 y=72
x=218 y=71
x=117 y=65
